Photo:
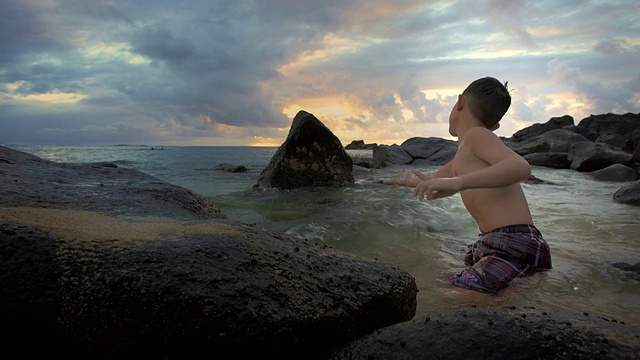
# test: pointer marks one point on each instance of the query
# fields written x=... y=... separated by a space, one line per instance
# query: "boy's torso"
x=491 y=207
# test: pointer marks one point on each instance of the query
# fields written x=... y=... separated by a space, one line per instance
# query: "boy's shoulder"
x=479 y=133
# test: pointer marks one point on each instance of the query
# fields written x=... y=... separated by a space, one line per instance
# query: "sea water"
x=586 y=230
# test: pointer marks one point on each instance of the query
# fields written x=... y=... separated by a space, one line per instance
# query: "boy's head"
x=488 y=100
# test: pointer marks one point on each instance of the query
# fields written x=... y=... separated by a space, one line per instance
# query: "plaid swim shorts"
x=501 y=255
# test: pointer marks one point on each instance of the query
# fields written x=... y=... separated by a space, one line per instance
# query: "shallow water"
x=586 y=230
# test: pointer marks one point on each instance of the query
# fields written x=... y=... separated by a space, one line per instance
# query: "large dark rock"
x=629 y=194
x=27 y=180
x=556 y=160
x=230 y=168
x=89 y=284
x=310 y=156
x=558 y=140
x=615 y=172
x=596 y=126
x=500 y=333
x=588 y=156
x=360 y=145
x=384 y=155
x=238 y=292
x=539 y=129
x=417 y=150
x=433 y=150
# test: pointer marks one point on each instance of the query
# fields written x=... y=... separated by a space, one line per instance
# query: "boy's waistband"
x=515 y=229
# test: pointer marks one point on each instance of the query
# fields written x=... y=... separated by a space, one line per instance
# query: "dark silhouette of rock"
x=385 y=155
x=596 y=126
x=558 y=140
x=629 y=194
x=230 y=168
x=27 y=180
x=310 y=156
x=435 y=151
x=615 y=172
x=556 y=160
x=628 y=267
x=500 y=333
x=416 y=150
x=539 y=129
x=360 y=145
x=588 y=156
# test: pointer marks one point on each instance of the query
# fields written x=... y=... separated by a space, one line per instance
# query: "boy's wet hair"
x=488 y=100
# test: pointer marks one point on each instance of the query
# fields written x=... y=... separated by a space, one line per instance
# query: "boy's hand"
x=436 y=188
x=399 y=179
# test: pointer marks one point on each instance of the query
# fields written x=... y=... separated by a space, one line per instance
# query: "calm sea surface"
x=586 y=230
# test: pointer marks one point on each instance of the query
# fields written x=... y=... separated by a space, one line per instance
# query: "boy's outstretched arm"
x=505 y=168
x=406 y=179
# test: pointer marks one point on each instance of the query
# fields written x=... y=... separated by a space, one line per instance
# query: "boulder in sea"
x=311 y=156
x=629 y=194
x=499 y=333
x=589 y=156
x=615 y=172
x=417 y=150
x=431 y=150
x=230 y=168
x=360 y=145
x=628 y=267
x=384 y=155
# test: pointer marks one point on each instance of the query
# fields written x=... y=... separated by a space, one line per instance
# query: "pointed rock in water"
x=310 y=156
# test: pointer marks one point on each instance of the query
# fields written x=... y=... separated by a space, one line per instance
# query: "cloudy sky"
x=235 y=72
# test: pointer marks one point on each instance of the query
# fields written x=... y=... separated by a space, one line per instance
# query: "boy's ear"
x=461 y=102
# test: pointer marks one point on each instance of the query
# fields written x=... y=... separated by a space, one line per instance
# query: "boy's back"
x=490 y=207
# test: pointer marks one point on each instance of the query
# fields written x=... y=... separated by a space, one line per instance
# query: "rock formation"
x=310 y=156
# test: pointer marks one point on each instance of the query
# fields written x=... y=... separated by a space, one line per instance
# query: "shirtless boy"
x=487 y=174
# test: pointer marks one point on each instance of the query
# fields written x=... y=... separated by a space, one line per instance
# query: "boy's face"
x=453 y=119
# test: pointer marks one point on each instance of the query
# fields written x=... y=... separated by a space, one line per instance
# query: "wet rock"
x=615 y=172
x=431 y=150
x=556 y=160
x=628 y=267
x=230 y=168
x=27 y=180
x=385 y=155
x=499 y=333
x=310 y=156
x=589 y=156
x=629 y=194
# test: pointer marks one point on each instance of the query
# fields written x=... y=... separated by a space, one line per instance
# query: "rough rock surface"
x=588 y=156
x=539 y=129
x=417 y=150
x=239 y=291
x=558 y=140
x=596 y=126
x=88 y=284
x=500 y=333
x=629 y=194
x=615 y=172
x=556 y=160
x=27 y=180
x=310 y=156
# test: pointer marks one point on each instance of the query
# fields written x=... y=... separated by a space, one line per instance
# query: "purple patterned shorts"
x=500 y=256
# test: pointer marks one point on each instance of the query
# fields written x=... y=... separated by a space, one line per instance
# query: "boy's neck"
x=466 y=124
